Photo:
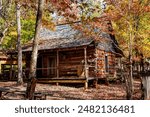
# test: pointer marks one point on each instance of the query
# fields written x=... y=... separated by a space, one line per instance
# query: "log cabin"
x=66 y=56
x=7 y=64
x=3 y=59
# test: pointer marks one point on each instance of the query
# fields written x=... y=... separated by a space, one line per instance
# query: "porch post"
x=86 y=67
x=11 y=68
x=57 y=64
x=96 y=78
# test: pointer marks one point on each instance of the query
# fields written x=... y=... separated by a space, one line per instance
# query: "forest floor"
x=113 y=91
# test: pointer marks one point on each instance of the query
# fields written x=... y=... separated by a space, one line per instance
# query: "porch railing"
x=77 y=71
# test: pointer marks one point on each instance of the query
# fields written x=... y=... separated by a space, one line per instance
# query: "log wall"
x=100 y=63
x=71 y=63
x=101 y=70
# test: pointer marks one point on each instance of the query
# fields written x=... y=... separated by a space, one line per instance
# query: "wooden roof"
x=66 y=37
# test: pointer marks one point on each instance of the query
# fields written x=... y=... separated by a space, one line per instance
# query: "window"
x=106 y=63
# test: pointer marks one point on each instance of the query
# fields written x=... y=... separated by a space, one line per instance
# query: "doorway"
x=52 y=66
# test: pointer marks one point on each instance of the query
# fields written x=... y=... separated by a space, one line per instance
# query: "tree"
x=4 y=18
x=138 y=19
x=32 y=75
x=11 y=28
x=20 y=78
x=8 y=25
x=127 y=16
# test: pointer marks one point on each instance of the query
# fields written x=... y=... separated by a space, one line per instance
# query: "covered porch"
x=69 y=65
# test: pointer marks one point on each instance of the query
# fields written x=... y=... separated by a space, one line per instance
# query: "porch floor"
x=66 y=80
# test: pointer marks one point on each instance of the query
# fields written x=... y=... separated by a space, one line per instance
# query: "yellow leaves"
x=113 y=13
x=47 y=21
x=95 y=14
x=133 y=21
x=109 y=8
x=143 y=46
x=146 y=50
x=13 y=33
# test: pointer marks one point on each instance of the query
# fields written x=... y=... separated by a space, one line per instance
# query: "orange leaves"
x=48 y=24
x=130 y=17
x=61 y=4
x=114 y=15
x=66 y=8
x=47 y=21
x=147 y=9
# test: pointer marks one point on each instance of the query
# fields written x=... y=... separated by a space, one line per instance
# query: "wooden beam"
x=96 y=59
x=96 y=66
x=86 y=85
x=63 y=81
x=86 y=67
x=71 y=49
x=11 y=67
x=57 y=64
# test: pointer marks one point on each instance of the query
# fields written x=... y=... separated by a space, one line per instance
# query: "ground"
x=114 y=91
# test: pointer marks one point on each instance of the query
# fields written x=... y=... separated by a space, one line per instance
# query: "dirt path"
x=103 y=92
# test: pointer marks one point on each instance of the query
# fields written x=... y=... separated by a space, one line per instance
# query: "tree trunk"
x=0 y=5
x=126 y=77
x=20 y=79
x=32 y=74
x=128 y=86
x=2 y=35
x=130 y=78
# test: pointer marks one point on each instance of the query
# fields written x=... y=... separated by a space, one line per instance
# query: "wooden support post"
x=86 y=68
x=86 y=85
x=57 y=64
x=11 y=62
x=96 y=78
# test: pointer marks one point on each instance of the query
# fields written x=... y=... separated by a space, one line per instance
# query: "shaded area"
x=113 y=91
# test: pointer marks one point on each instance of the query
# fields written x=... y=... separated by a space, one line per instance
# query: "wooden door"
x=44 y=66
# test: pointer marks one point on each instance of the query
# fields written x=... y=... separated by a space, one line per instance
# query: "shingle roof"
x=66 y=37
x=59 y=43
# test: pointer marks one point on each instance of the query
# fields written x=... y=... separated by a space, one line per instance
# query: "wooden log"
x=71 y=62
x=63 y=81
x=86 y=85
x=86 y=68
x=11 y=67
x=57 y=63
x=79 y=57
x=63 y=67
x=70 y=49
